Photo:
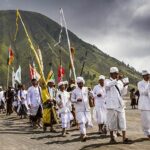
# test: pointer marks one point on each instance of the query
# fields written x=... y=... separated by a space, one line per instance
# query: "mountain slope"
x=43 y=30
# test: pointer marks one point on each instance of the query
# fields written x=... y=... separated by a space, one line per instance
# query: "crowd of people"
x=75 y=104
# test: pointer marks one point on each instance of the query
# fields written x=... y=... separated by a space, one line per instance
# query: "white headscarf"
x=60 y=83
x=80 y=79
x=66 y=82
x=101 y=77
x=114 y=69
x=51 y=80
x=145 y=72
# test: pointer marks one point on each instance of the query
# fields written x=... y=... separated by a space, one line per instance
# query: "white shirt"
x=22 y=94
x=114 y=98
x=33 y=96
x=52 y=91
x=63 y=101
x=123 y=90
x=144 y=100
x=99 y=101
x=82 y=94
x=2 y=97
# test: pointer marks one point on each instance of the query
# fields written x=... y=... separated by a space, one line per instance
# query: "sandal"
x=67 y=132
x=113 y=141
x=127 y=141
x=53 y=131
x=119 y=135
x=83 y=138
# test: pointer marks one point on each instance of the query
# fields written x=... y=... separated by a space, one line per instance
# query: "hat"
x=145 y=72
x=114 y=70
x=101 y=77
x=51 y=81
x=80 y=79
x=60 y=83
x=66 y=82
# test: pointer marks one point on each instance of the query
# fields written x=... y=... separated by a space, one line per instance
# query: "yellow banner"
x=45 y=94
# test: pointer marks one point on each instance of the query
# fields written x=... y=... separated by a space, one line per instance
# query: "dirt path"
x=15 y=134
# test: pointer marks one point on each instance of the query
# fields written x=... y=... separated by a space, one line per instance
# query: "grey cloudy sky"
x=120 y=28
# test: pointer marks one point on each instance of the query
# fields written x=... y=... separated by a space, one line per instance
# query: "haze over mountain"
x=42 y=31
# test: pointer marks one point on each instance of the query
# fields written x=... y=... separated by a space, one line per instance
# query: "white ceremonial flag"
x=13 y=78
x=18 y=75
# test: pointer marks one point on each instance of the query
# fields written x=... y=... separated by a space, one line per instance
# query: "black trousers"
x=38 y=115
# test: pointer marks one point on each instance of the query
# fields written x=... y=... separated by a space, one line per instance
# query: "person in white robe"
x=34 y=101
x=80 y=99
x=144 y=102
x=99 y=93
x=64 y=103
x=52 y=90
x=22 y=102
x=123 y=86
x=116 y=119
x=2 y=100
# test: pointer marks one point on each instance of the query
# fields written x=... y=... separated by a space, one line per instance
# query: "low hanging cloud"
x=120 y=28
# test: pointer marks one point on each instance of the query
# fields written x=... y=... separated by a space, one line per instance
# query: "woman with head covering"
x=22 y=98
x=64 y=103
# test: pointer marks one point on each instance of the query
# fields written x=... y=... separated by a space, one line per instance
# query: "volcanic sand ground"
x=15 y=134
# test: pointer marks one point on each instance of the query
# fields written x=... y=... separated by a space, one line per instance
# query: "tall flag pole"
x=70 y=66
x=83 y=65
x=9 y=62
x=68 y=41
x=8 y=75
x=13 y=77
x=61 y=70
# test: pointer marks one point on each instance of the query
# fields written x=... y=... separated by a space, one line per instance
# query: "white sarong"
x=145 y=118
x=116 y=120
x=34 y=110
x=65 y=119
x=100 y=115
x=84 y=118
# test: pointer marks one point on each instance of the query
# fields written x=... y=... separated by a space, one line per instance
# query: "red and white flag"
x=10 y=56
x=33 y=73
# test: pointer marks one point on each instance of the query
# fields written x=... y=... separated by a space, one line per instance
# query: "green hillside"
x=43 y=30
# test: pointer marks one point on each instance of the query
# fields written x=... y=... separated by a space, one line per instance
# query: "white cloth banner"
x=18 y=75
